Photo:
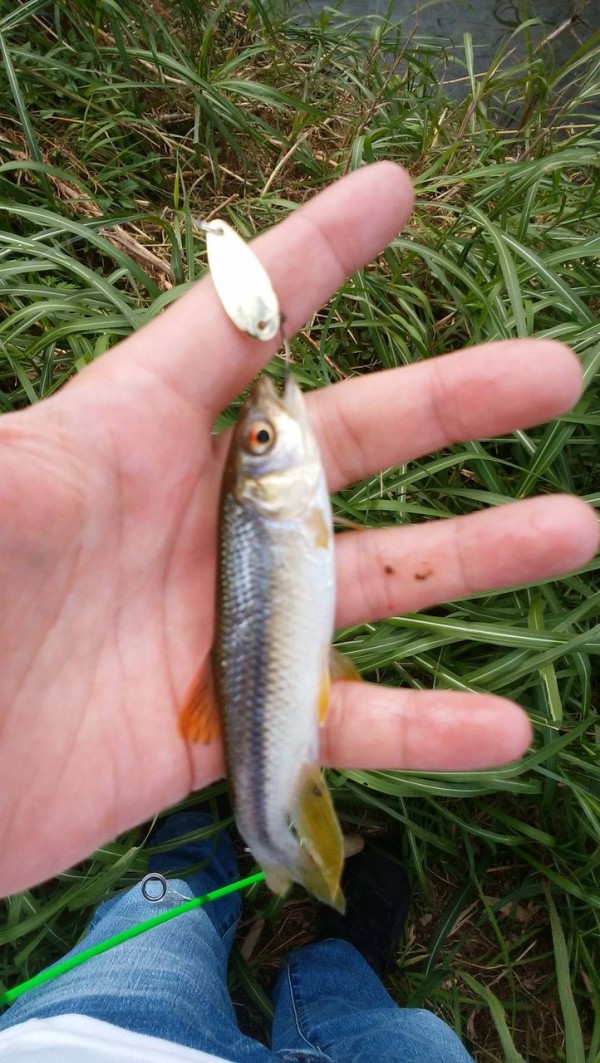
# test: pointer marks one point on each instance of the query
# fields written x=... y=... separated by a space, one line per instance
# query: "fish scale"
x=261 y=670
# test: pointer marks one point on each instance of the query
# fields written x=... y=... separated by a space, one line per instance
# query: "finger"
x=404 y=569
x=376 y=727
x=364 y=425
x=194 y=346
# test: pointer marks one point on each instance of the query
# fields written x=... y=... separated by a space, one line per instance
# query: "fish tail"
x=320 y=853
x=318 y=866
x=311 y=875
x=306 y=871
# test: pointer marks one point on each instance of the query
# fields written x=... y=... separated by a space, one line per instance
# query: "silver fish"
x=271 y=656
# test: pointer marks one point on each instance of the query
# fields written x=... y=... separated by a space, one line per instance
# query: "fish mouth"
x=289 y=397
x=262 y=389
x=292 y=397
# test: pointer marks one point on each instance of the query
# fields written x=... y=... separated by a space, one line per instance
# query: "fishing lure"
x=241 y=281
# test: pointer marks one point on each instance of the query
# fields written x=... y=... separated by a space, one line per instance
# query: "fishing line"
x=287 y=364
x=126 y=935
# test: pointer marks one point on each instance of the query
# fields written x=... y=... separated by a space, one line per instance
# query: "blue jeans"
x=171 y=981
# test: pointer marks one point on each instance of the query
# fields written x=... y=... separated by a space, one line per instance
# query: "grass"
x=124 y=121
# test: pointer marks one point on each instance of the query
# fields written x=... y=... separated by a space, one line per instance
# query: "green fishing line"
x=117 y=939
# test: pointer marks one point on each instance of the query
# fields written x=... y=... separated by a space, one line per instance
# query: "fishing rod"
x=70 y=962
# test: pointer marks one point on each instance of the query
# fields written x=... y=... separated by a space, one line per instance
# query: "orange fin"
x=342 y=667
x=199 y=718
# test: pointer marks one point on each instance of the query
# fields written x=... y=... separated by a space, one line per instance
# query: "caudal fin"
x=321 y=851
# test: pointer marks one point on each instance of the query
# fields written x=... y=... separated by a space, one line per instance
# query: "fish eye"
x=260 y=438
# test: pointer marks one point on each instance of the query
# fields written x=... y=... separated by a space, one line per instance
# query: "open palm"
x=109 y=496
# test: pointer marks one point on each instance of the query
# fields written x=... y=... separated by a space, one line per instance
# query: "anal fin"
x=278 y=879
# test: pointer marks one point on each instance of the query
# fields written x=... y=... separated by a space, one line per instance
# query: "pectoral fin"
x=199 y=718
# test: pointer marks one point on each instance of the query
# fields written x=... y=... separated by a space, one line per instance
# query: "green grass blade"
x=23 y=113
x=575 y=1052
x=498 y=1016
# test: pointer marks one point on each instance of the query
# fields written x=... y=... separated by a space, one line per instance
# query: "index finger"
x=194 y=346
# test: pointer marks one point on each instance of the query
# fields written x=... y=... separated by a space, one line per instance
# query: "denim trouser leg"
x=330 y=1002
x=171 y=981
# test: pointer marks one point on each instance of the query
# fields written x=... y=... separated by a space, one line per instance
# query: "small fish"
x=271 y=656
x=241 y=281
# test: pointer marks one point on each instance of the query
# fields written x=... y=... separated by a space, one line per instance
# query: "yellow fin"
x=316 y=524
x=339 y=667
x=199 y=718
x=324 y=691
x=321 y=856
x=342 y=667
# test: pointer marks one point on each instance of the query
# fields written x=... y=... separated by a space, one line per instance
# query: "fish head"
x=274 y=459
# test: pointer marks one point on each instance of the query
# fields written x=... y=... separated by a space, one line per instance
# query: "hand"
x=109 y=494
